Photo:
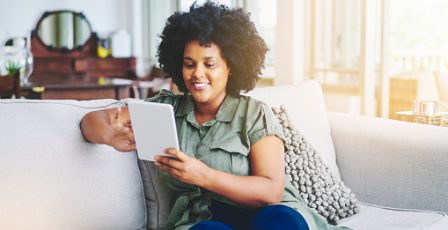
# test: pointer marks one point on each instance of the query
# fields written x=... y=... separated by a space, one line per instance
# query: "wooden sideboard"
x=77 y=74
x=76 y=87
x=82 y=61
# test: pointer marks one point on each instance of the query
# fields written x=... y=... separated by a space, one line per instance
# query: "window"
x=264 y=15
x=342 y=50
x=418 y=34
x=336 y=39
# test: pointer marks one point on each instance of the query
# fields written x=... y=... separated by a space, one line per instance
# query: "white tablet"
x=154 y=128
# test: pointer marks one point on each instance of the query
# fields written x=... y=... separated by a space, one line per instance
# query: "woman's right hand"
x=120 y=135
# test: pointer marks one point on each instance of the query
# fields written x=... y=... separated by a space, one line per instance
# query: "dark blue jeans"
x=272 y=217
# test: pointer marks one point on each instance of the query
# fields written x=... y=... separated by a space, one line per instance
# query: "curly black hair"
x=230 y=29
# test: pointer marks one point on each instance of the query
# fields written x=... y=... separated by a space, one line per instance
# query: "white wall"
x=19 y=17
x=144 y=19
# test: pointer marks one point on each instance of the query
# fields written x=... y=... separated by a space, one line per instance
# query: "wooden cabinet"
x=83 y=61
x=107 y=67
x=77 y=74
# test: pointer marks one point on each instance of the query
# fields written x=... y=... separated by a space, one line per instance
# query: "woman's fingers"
x=172 y=171
x=176 y=153
x=117 y=114
x=121 y=135
x=121 y=119
x=131 y=136
x=169 y=165
x=168 y=161
x=131 y=146
x=129 y=125
x=183 y=167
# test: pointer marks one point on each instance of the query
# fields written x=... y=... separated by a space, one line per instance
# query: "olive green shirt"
x=222 y=143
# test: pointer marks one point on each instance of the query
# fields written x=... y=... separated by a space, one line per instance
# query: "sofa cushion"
x=312 y=178
x=384 y=218
x=51 y=178
x=306 y=107
x=392 y=163
x=157 y=196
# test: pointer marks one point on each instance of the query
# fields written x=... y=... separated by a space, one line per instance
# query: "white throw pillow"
x=306 y=107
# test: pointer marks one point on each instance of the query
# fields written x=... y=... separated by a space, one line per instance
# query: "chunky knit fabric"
x=318 y=187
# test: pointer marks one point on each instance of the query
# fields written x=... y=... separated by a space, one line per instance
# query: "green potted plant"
x=12 y=68
x=10 y=85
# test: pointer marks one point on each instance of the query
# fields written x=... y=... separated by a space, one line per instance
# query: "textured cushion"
x=51 y=178
x=316 y=184
x=372 y=217
x=306 y=107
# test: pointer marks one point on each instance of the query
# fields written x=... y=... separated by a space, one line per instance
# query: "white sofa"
x=50 y=178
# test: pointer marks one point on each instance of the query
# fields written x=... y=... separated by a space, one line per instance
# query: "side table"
x=439 y=118
x=76 y=88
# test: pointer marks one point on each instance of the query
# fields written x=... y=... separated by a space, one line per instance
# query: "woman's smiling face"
x=205 y=72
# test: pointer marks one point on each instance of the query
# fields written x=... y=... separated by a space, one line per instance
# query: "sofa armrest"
x=392 y=163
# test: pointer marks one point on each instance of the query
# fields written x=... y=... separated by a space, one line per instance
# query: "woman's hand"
x=184 y=168
x=120 y=135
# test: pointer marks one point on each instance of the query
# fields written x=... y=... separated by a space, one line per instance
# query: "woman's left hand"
x=184 y=168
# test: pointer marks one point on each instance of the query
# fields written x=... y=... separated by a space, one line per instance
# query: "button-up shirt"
x=222 y=143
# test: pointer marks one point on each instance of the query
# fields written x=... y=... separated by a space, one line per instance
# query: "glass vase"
x=16 y=57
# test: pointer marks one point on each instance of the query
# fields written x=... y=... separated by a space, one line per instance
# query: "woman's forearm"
x=251 y=191
x=265 y=184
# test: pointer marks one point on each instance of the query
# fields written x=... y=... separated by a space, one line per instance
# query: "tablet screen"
x=154 y=128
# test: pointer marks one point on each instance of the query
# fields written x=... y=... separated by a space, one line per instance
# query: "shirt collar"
x=227 y=109
x=225 y=112
x=186 y=105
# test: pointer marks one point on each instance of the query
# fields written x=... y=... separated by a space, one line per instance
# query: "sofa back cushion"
x=306 y=108
x=51 y=178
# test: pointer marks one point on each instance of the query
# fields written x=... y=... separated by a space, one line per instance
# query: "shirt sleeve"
x=264 y=123
x=165 y=97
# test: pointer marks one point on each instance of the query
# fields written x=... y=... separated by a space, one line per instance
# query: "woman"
x=229 y=173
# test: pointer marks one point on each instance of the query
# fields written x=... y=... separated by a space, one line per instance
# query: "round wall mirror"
x=63 y=30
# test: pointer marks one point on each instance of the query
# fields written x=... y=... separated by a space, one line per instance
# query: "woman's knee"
x=278 y=217
x=210 y=225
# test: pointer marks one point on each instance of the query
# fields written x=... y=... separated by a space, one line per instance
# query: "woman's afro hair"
x=230 y=29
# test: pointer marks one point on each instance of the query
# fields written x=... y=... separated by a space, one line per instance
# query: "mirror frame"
x=63 y=49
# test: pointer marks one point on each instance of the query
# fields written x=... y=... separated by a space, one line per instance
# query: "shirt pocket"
x=230 y=155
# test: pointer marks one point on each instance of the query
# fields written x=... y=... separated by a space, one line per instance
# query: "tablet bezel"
x=154 y=128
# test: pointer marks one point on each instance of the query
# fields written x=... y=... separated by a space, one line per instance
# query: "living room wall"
x=19 y=17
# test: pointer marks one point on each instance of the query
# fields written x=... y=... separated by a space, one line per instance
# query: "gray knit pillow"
x=318 y=187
